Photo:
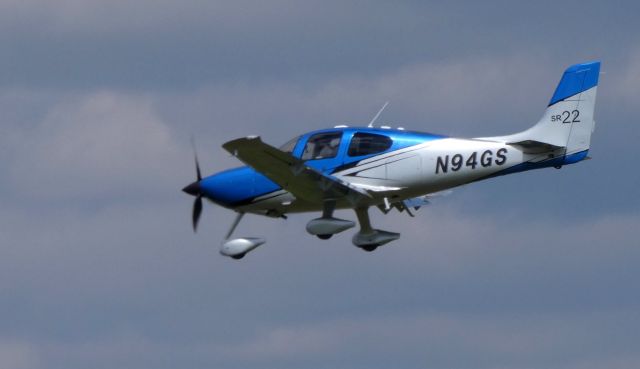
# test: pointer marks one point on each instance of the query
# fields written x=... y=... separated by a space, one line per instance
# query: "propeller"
x=197 y=210
x=194 y=189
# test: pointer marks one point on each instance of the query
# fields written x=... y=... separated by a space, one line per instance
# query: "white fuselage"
x=414 y=171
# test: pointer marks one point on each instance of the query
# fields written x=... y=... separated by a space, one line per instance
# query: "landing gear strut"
x=369 y=238
x=237 y=248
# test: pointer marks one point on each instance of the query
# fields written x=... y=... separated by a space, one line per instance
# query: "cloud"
x=100 y=268
x=92 y=146
x=431 y=340
x=147 y=16
x=98 y=15
x=623 y=82
x=18 y=355
x=163 y=45
x=454 y=97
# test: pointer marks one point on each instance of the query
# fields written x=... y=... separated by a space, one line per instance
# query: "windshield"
x=290 y=145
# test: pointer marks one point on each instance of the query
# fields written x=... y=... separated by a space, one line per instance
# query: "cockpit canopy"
x=322 y=146
x=290 y=145
x=365 y=143
x=326 y=145
x=329 y=149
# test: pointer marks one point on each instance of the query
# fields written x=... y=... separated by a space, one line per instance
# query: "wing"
x=292 y=174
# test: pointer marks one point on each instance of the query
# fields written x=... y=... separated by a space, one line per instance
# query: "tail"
x=568 y=121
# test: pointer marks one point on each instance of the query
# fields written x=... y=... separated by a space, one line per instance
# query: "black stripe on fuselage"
x=375 y=159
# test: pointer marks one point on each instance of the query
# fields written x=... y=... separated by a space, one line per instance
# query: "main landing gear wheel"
x=238 y=257
x=326 y=226
x=369 y=248
x=369 y=238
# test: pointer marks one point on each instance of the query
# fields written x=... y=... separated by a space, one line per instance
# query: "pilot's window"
x=322 y=146
x=368 y=143
x=290 y=145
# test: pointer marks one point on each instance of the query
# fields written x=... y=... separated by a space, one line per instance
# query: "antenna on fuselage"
x=377 y=115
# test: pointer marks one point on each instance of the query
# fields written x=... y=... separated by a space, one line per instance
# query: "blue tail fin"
x=576 y=79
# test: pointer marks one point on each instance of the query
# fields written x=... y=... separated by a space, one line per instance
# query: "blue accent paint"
x=576 y=79
x=574 y=158
x=559 y=161
x=237 y=186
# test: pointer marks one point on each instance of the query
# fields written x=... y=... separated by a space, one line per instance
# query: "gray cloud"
x=163 y=45
x=436 y=288
x=99 y=267
x=18 y=355
x=96 y=145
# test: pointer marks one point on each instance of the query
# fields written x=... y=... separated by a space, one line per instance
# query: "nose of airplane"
x=193 y=189
x=231 y=187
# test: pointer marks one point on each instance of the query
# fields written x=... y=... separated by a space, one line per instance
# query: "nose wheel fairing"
x=237 y=248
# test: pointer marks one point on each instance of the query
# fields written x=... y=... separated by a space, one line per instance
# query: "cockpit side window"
x=322 y=146
x=290 y=145
x=368 y=143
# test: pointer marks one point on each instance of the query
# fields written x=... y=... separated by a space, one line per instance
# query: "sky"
x=99 y=267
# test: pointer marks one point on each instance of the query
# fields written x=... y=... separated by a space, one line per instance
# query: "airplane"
x=363 y=167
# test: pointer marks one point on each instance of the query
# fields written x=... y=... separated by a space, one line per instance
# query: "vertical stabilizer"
x=568 y=121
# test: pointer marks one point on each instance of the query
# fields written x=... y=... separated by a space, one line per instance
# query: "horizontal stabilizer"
x=407 y=205
x=535 y=147
x=416 y=202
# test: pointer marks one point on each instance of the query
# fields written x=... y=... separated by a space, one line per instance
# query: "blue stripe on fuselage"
x=555 y=162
